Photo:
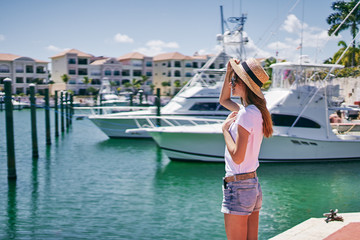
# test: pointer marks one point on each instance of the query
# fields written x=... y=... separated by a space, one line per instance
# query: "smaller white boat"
x=107 y=96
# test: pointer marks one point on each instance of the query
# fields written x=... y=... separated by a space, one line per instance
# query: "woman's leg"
x=236 y=226
x=253 y=226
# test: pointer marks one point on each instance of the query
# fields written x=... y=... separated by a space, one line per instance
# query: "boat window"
x=222 y=108
x=283 y=120
x=204 y=106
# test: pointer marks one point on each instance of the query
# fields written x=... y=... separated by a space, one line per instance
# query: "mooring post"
x=71 y=108
x=9 y=130
x=47 y=117
x=140 y=97
x=62 y=111
x=56 y=114
x=33 y=121
x=158 y=105
x=67 y=110
x=2 y=101
x=100 y=102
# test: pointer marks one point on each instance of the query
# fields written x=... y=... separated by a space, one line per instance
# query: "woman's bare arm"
x=225 y=95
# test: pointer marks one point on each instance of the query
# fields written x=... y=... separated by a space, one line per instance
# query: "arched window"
x=177 y=73
x=116 y=72
x=107 y=72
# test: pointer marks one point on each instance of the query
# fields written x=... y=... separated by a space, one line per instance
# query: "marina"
x=108 y=199
x=111 y=144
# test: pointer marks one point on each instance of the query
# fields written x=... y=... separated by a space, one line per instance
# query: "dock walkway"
x=317 y=228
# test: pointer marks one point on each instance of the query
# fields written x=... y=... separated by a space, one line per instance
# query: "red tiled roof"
x=12 y=57
x=132 y=55
x=168 y=56
x=79 y=53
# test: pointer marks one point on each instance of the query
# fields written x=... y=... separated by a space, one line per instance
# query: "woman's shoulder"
x=252 y=109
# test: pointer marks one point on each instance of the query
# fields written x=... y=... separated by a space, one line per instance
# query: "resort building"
x=174 y=70
x=134 y=66
x=168 y=71
x=73 y=65
x=107 y=68
x=23 y=71
x=84 y=70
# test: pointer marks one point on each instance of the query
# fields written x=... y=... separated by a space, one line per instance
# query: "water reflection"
x=34 y=193
x=11 y=229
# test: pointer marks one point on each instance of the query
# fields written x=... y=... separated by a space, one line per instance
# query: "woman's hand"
x=229 y=120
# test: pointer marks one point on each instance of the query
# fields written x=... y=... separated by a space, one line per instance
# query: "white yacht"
x=298 y=104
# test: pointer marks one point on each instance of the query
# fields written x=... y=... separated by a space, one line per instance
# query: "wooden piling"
x=47 y=117
x=158 y=105
x=33 y=121
x=10 y=142
x=140 y=97
x=67 y=110
x=62 y=111
x=56 y=114
x=71 y=108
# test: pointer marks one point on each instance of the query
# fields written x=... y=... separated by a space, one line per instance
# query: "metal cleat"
x=331 y=216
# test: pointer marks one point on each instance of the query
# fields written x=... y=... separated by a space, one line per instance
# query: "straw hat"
x=252 y=74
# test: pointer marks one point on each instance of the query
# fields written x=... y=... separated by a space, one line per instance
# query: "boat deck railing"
x=103 y=110
x=170 y=121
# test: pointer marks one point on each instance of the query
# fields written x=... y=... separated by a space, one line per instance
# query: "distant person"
x=336 y=117
x=243 y=132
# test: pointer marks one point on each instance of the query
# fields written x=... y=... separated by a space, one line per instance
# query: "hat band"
x=251 y=74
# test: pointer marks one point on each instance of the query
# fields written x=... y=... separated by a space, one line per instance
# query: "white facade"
x=177 y=69
x=23 y=71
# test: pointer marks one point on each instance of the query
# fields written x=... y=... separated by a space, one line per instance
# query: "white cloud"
x=154 y=47
x=53 y=48
x=2 y=37
x=292 y=24
x=314 y=39
x=122 y=38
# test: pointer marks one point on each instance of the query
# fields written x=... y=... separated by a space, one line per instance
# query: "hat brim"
x=239 y=70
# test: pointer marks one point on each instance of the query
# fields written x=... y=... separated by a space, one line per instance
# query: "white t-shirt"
x=250 y=119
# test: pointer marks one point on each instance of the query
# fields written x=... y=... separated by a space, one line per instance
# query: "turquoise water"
x=86 y=186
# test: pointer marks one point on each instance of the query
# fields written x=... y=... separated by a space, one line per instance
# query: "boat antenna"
x=302 y=33
x=240 y=21
x=222 y=33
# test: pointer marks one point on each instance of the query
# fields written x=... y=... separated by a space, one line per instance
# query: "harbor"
x=87 y=186
x=121 y=136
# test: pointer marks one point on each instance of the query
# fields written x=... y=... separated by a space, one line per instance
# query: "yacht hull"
x=116 y=128
x=210 y=148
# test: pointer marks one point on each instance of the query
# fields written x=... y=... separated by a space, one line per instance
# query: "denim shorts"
x=242 y=197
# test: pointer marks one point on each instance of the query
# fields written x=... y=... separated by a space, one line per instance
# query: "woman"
x=243 y=133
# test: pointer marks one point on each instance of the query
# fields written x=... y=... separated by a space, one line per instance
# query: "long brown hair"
x=252 y=98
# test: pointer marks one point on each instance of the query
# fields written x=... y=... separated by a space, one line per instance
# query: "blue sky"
x=42 y=28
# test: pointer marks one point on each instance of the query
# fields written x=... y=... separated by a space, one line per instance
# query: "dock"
x=317 y=228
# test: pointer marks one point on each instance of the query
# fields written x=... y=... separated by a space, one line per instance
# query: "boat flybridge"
x=298 y=101
x=199 y=98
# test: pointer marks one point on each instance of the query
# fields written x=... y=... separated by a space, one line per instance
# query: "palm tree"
x=347 y=60
x=112 y=85
x=87 y=81
x=65 y=78
x=342 y=9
